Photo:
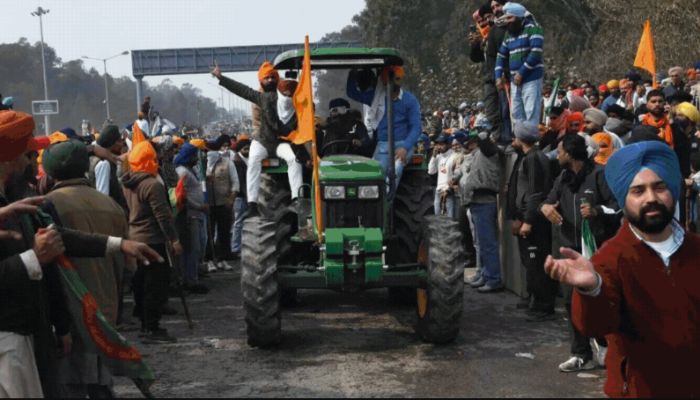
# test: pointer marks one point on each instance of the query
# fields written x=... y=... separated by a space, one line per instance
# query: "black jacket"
x=271 y=127
x=569 y=189
x=530 y=182
x=488 y=55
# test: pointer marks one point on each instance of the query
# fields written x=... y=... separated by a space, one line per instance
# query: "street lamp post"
x=38 y=13
x=104 y=63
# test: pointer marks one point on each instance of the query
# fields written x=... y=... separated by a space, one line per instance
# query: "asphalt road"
x=342 y=345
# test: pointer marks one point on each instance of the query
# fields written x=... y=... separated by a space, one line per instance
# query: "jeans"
x=485 y=220
x=526 y=101
x=240 y=205
x=449 y=205
x=475 y=241
x=381 y=154
x=193 y=249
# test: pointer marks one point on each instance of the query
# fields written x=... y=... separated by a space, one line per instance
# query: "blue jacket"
x=407 y=120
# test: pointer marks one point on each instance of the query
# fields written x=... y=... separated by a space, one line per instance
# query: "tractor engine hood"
x=343 y=168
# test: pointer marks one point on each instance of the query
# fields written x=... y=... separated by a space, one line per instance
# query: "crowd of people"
x=577 y=168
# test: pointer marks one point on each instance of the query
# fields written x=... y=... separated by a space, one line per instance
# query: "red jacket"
x=650 y=316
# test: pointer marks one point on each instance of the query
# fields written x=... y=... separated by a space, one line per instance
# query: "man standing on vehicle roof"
x=407 y=119
x=266 y=139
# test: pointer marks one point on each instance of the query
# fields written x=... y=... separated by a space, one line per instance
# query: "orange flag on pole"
x=306 y=128
x=137 y=135
x=646 y=55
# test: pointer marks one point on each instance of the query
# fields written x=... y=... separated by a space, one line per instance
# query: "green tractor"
x=366 y=242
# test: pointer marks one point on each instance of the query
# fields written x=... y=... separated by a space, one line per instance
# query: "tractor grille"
x=354 y=212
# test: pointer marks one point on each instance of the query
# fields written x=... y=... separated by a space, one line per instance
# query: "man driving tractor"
x=406 y=118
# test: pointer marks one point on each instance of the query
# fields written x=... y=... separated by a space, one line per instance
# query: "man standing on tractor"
x=406 y=123
x=266 y=133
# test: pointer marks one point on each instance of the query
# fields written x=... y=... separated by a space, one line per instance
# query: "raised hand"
x=574 y=270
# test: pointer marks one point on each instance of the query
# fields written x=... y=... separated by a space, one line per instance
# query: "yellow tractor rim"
x=422 y=299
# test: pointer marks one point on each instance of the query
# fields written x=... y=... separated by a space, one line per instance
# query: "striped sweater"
x=523 y=53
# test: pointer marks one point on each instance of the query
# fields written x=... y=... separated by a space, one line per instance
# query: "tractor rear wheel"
x=412 y=204
x=259 y=283
x=440 y=304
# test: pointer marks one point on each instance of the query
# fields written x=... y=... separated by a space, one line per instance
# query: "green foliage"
x=80 y=92
x=584 y=39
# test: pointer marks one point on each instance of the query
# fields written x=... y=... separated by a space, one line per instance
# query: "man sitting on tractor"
x=266 y=132
x=344 y=133
x=406 y=118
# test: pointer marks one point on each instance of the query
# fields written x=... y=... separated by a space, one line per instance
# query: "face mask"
x=683 y=123
x=285 y=108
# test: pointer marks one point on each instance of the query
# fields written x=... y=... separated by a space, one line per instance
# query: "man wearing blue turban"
x=641 y=288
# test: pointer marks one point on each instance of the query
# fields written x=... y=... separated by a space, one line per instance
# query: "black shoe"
x=197 y=288
x=477 y=283
x=158 y=336
x=541 y=316
x=491 y=288
x=167 y=310
x=251 y=211
x=523 y=304
x=235 y=256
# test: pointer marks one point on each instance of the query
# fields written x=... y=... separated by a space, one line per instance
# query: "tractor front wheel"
x=440 y=303
x=261 y=297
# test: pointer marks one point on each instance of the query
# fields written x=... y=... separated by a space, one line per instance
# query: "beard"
x=654 y=224
x=270 y=87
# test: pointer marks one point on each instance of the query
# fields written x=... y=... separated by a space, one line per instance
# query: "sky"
x=103 y=28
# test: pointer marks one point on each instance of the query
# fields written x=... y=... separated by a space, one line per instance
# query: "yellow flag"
x=646 y=55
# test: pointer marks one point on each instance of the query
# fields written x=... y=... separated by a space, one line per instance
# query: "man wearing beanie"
x=83 y=208
x=641 y=290
x=103 y=172
x=32 y=312
x=529 y=183
x=266 y=140
x=520 y=60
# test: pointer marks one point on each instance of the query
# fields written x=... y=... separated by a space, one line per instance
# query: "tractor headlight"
x=334 y=192
x=368 y=192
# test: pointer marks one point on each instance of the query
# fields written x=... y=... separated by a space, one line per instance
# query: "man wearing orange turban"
x=150 y=221
x=266 y=133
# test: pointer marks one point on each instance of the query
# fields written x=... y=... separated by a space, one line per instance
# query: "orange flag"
x=137 y=135
x=646 y=55
x=306 y=128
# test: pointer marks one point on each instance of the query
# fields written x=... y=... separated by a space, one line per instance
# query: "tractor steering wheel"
x=346 y=142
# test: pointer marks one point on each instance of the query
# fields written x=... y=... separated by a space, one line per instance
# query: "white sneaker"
x=599 y=353
x=575 y=364
x=211 y=266
x=225 y=265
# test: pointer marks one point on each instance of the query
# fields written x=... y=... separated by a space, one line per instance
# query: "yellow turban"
x=614 y=84
x=199 y=143
x=689 y=111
